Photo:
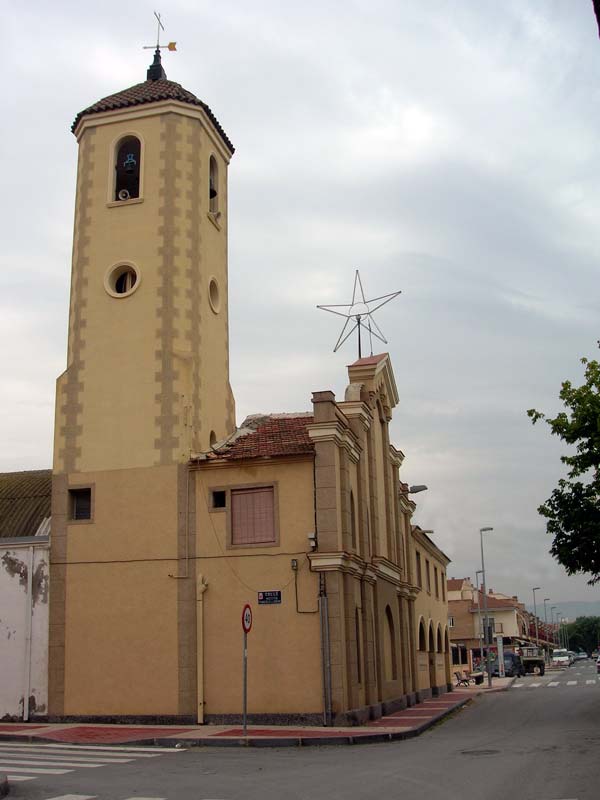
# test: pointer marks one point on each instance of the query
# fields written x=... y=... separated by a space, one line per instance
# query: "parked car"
x=513 y=666
x=598 y=664
x=561 y=658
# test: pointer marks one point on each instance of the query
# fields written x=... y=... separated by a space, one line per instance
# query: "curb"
x=4 y=787
x=376 y=737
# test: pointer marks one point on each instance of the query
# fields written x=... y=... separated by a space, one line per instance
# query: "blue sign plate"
x=269 y=598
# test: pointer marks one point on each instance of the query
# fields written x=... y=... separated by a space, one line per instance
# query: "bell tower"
x=146 y=386
x=147 y=380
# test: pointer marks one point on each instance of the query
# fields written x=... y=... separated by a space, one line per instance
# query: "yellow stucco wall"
x=121 y=624
x=284 y=667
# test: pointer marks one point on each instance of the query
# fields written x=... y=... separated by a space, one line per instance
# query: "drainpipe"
x=28 y=620
x=325 y=651
x=201 y=587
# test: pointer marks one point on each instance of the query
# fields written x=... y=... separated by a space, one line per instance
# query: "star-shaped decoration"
x=360 y=313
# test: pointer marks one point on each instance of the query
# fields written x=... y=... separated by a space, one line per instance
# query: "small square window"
x=219 y=498
x=80 y=504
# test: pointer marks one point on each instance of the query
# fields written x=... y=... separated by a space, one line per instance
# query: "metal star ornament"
x=359 y=314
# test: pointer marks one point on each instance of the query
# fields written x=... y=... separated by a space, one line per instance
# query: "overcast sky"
x=447 y=148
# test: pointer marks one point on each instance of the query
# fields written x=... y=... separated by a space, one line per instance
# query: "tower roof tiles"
x=151 y=91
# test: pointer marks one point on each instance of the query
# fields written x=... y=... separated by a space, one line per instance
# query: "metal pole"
x=245 y=726
x=553 y=628
x=477 y=574
x=485 y=611
x=546 y=646
x=359 y=344
x=537 y=635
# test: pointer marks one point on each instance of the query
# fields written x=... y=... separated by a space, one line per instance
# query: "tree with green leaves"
x=584 y=634
x=573 y=509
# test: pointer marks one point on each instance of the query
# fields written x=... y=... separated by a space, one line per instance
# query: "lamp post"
x=537 y=635
x=477 y=574
x=559 y=631
x=485 y=608
x=546 y=648
x=552 y=609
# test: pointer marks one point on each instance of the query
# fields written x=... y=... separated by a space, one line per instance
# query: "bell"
x=130 y=163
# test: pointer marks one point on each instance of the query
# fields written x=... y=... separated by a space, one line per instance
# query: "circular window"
x=122 y=280
x=214 y=297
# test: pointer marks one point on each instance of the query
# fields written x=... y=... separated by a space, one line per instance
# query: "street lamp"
x=537 y=635
x=485 y=610
x=477 y=574
x=546 y=648
x=553 y=629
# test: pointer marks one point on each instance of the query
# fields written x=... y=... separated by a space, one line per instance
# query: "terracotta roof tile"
x=274 y=435
x=455 y=584
x=151 y=92
x=24 y=502
x=369 y=360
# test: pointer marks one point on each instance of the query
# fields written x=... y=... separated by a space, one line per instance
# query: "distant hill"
x=572 y=609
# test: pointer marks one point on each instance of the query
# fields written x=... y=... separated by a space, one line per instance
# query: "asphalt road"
x=534 y=742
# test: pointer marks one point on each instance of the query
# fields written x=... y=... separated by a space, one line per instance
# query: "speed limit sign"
x=247 y=618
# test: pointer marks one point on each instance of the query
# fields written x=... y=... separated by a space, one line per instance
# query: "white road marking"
x=517 y=685
x=19 y=778
x=535 y=685
x=5 y=752
x=554 y=683
x=71 y=749
x=591 y=683
x=55 y=763
x=151 y=751
x=74 y=797
x=571 y=683
x=36 y=770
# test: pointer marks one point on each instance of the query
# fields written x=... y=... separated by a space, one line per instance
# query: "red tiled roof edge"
x=274 y=436
x=151 y=92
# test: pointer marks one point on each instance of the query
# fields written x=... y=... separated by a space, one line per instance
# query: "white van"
x=561 y=658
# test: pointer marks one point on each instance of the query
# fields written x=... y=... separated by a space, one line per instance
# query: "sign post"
x=246 y=626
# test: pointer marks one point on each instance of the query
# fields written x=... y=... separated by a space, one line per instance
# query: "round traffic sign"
x=247 y=618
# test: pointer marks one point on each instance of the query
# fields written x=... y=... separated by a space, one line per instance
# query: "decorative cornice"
x=387 y=570
x=356 y=409
x=348 y=563
x=396 y=456
x=334 y=431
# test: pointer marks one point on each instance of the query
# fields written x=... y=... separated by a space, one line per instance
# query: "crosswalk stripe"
x=35 y=770
x=535 y=685
x=116 y=752
x=591 y=683
x=19 y=778
x=5 y=752
x=554 y=683
x=517 y=685
x=150 y=751
x=571 y=683
x=74 y=797
x=28 y=762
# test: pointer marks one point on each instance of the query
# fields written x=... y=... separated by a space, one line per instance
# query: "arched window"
x=127 y=168
x=213 y=186
x=439 y=640
x=422 y=643
x=389 y=646
x=431 y=640
x=353 y=521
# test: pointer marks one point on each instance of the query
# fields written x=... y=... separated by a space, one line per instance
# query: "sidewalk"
x=402 y=725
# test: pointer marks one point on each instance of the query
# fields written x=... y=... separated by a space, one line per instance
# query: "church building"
x=166 y=517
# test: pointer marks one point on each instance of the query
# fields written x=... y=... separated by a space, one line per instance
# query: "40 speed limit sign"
x=247 y=618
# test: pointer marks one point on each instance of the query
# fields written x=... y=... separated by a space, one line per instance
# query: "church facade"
x=166 y=517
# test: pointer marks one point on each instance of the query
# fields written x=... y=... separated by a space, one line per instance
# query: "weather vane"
x=158 y=46
x=360 y=312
